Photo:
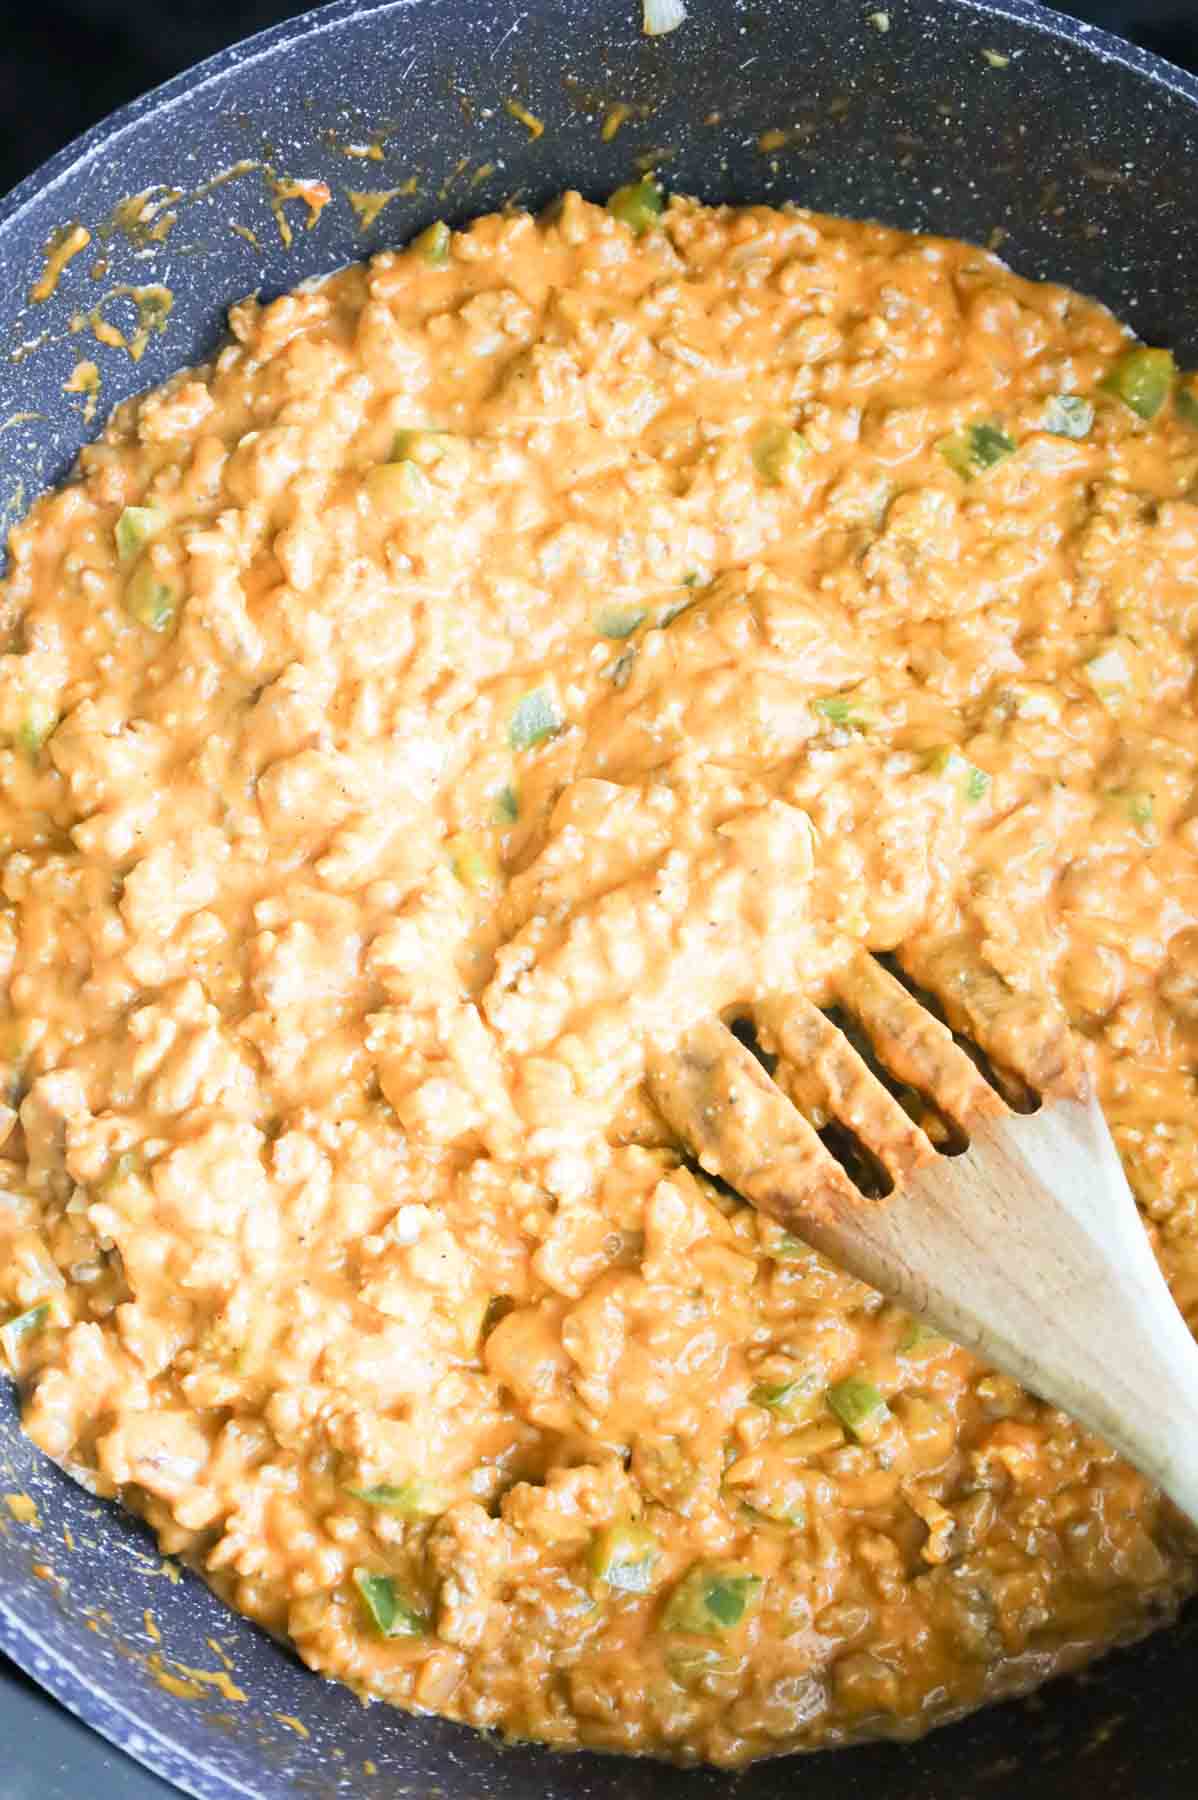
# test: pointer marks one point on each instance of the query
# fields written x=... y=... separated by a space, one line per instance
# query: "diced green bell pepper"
x=713 y=1598
x=977 y=448
x=1068 y=415
x=134 y=529
x=859 y=1407
x=536 y=718
x=639 y=205
x=15 y=1331
x=625 y=1557
x=777 y=452
x=1141 y=379
x=387 y=1607
x=432 y=244
x=414 y=1499
x=148 y=600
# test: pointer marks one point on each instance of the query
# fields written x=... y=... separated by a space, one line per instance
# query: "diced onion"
x=662 y=16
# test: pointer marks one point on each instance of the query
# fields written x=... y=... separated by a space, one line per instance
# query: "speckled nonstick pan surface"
x=1077 y=156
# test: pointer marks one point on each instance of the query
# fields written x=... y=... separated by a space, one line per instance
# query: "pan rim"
x=1076 y=34
x=53 y=1671
x=57 y=1675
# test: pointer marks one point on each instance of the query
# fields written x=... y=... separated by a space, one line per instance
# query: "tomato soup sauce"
x=502 y=657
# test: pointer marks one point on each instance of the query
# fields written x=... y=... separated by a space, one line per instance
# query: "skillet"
x=988 y=119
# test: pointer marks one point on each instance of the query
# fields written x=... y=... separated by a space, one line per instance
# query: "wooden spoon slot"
x=1011 y=1088
x=744 y=1030
x=867 y=1172
x=945 y=1135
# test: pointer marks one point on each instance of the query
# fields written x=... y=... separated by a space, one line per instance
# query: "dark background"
x=63 y=65
x=66 y=63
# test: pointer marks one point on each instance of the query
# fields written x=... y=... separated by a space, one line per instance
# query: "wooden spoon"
x=1025 y=1246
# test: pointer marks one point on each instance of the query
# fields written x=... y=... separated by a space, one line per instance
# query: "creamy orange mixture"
x=499 y=659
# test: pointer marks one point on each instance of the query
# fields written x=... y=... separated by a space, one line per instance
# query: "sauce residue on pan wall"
x=64 y=245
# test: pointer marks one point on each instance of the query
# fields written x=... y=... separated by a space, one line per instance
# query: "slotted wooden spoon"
x=1025 y=1246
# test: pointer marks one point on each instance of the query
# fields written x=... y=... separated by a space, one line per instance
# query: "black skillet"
x=999 y=122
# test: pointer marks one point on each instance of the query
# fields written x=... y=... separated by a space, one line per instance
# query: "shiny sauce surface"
x=501 y=658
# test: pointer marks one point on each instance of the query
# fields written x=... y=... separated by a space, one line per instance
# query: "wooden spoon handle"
x=1029 y=1250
